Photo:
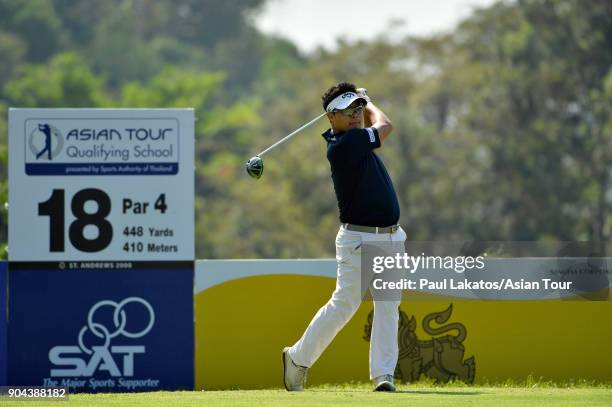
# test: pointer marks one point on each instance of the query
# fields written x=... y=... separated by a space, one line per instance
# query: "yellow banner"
x=247 y=311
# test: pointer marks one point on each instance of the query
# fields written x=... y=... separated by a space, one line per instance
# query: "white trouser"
x=345 y=301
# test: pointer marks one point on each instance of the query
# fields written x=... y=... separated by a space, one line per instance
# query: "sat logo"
x=84 y=361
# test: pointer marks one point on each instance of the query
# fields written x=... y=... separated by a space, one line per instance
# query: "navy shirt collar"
x=329 y=135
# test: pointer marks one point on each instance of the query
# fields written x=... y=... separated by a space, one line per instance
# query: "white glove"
x=363 y=92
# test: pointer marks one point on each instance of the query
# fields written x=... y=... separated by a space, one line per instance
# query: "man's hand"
x=363 y=92
x=374 y=117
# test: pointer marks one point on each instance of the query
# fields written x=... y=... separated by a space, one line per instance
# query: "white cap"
x=343 y=101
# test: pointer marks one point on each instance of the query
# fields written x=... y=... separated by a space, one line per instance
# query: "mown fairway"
x=353 y=395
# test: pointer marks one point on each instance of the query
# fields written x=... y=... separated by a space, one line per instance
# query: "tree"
x=66 y=81
x=37 y=23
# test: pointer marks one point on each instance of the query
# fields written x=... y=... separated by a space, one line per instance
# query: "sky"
x=313 y=23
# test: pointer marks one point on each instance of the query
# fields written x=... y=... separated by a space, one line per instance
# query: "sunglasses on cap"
x=350 y=111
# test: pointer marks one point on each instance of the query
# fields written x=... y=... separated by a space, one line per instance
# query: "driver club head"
x=255 y=167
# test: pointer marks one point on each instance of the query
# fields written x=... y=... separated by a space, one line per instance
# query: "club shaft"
x=293 y=133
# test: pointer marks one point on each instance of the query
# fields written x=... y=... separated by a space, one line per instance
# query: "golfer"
x=369 y=212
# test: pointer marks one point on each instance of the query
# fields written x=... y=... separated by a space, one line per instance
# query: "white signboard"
x=101 y=184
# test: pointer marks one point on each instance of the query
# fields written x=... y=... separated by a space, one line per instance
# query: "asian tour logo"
x=46 y=142
x=86 y=359
x=101 y=146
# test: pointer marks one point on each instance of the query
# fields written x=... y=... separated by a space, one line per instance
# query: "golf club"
x=255 y=165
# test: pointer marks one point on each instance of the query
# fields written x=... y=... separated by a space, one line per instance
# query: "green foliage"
x=66 y=81
x=37 y=23
x=173 y=88
x=12 y=52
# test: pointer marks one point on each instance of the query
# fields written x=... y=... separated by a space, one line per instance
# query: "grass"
x=527 y=393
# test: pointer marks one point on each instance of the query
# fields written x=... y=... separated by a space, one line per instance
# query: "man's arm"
x=374 y=117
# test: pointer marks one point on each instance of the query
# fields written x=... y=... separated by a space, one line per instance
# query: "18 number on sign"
x=54 y=208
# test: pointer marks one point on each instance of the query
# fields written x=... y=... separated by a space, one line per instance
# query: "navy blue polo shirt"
x=363 y=187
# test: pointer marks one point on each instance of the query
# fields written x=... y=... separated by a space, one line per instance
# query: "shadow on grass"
x=438 y=393
x=442 y=393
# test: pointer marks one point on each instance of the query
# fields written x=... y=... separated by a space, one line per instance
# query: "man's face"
x=347 y=119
